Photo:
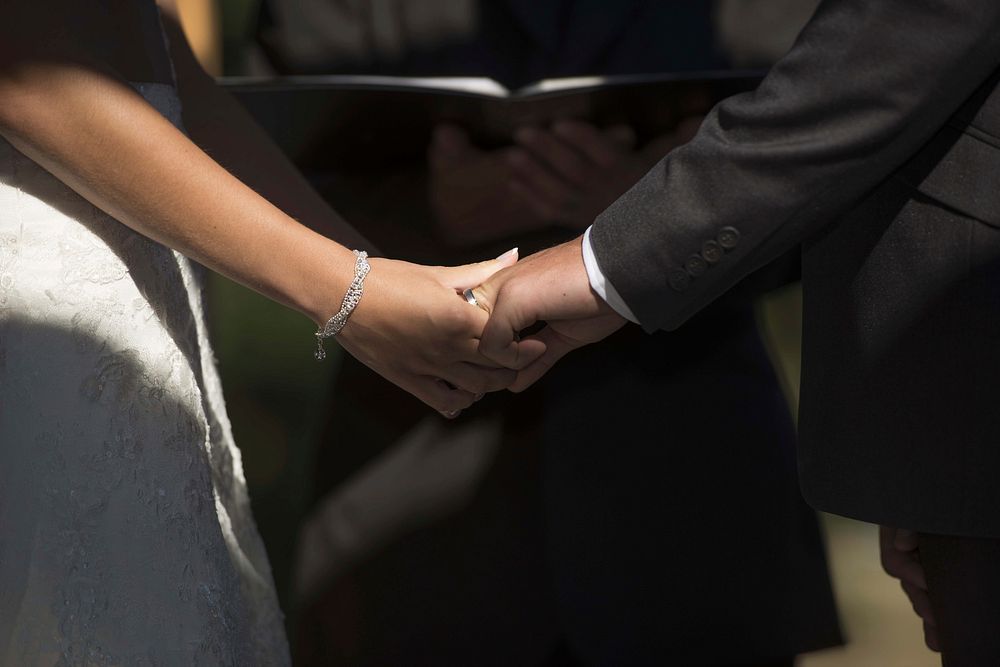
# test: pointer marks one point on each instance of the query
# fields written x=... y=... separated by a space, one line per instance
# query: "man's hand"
x=901 y=560
x=552 y=287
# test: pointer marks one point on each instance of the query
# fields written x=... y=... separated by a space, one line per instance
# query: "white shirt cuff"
x=602 y=285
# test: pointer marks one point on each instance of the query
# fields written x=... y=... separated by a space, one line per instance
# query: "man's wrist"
x=601 y=285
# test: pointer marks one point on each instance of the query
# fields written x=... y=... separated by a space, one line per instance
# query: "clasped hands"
x=551 y=286
x=414 y=327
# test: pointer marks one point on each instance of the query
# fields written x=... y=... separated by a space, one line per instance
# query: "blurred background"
x=385 y=526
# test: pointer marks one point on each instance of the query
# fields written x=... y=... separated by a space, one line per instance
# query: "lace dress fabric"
x=126 y=536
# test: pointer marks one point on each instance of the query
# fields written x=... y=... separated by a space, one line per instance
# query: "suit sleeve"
x=867 y=83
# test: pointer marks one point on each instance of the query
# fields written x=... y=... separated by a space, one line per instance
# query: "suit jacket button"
x=679 y=280
x=696 y=265
x=711 y=251
x=729 y=237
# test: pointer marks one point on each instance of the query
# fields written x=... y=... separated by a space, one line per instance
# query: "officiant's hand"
x=470 y=191
x=414 y=327
x=550 y=286
x=571 y=172
x=563 y=176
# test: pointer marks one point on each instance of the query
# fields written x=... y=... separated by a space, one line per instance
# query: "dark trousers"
x=963 y=581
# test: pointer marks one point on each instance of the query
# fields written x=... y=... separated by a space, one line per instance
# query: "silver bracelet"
x=351 y=300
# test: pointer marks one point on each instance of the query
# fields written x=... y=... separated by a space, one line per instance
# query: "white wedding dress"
x=126 y=536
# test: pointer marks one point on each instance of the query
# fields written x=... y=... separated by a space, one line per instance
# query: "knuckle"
x=439 y=403
x=453 y=400
x=448 y=405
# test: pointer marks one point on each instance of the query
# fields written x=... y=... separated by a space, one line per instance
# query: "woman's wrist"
x=322 y=279
x=351 y=299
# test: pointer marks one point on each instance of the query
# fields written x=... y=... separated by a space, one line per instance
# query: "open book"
x=349 y=120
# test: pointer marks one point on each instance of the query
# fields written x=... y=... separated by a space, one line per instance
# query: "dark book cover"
x=348 y=120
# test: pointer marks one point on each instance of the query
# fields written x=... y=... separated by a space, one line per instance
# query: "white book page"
x=567 y=83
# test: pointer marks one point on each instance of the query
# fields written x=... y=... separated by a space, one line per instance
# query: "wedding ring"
x=470 y=297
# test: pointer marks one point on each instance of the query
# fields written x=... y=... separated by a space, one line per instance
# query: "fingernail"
x=479 y=395
x=507 y=255
x=451 y=414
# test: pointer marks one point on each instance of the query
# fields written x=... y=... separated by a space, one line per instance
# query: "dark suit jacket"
x=876 y=141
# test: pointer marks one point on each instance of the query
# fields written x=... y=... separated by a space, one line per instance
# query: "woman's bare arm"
x=220 y=126
x=65 y=106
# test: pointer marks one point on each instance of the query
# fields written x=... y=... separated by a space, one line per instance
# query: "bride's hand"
x=414 y=328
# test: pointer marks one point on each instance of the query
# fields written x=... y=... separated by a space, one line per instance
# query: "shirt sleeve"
x=600 y=284
x=867 y=85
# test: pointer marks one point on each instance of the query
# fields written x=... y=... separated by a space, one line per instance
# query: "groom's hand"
x=552 y=287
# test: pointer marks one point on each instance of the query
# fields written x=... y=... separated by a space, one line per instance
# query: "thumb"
x=473 y=275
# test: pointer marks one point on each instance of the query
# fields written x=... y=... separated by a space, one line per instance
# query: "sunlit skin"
x=63 y=72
